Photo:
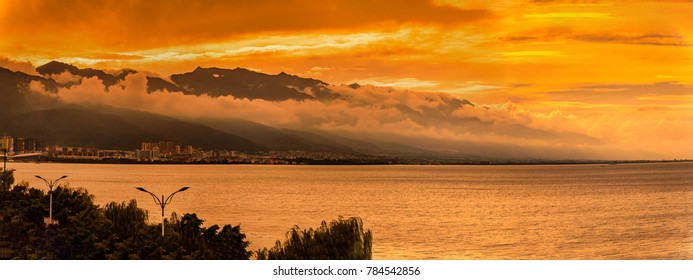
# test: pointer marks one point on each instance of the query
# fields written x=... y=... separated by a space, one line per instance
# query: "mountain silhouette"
x=239 y=83
x=55 y=67
x=242 y=83
x=156 y=83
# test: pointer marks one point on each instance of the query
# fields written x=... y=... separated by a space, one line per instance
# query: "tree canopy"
x=119 y=231
x=115 y=231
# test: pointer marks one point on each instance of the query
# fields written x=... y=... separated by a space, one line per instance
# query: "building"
x=31 y=145
x=19 y=145
x=166 y=148
x=147 y=146
x=7 y=144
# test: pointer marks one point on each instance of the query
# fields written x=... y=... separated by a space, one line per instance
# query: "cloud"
x=542 y=53
x=411 y=117
x=373 y=110
x=644 y=39
x=558 y=34
x=150 y=24
x=65 y=78
x=21 y=66
x=625 y=94
x=567 y=16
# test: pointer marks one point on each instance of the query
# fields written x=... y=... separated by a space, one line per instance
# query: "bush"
x=342 y=239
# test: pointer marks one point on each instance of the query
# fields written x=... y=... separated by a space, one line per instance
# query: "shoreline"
x=347 y=162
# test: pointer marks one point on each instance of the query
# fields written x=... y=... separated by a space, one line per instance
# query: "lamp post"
x=50 y=185
x=4 y=169
x=162 y=202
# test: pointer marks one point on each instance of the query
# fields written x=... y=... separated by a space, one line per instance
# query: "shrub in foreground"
x=341 y=239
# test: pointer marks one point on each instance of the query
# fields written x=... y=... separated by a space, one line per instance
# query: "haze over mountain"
x=240 y=109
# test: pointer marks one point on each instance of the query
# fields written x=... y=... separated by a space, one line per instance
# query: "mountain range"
x=32 y=115
x=41 y=114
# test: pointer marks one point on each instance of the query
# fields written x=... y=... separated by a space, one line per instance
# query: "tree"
x=342 y=239
x=228 y=244
x=83 y=228
x=6 y=179
x=127 y=219
x=210 y=243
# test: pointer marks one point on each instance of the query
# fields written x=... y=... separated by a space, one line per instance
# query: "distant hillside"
x=278 y=139
x=77 y=126
x=74 y=127
x=15 y=96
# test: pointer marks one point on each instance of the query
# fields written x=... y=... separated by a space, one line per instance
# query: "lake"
x=595 y=211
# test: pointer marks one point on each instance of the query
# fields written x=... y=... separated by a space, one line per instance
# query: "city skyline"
x=606 y=78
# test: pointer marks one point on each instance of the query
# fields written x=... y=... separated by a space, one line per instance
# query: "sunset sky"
x=620 y=71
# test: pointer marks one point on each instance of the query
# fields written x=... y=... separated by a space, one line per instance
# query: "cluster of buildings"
x=61 y=152
x=163 y=150
x=19 y=145
x=29 y=149
x=156 y=151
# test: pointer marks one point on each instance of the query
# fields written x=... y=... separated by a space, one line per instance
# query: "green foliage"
x=128 y=220
x=6 y=179
x=116 y=231
x=210 y=243
x=342 y=239
x=227 y=244
x=83 y=228
x=120 y=231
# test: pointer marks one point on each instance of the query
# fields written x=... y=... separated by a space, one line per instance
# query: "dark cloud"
x=552 y=34
x=520 y=38
x=645 y=39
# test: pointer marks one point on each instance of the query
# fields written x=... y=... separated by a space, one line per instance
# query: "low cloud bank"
x=387 y=114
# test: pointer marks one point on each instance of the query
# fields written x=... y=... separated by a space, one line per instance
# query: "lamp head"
x=184 y=188
x=141 y=189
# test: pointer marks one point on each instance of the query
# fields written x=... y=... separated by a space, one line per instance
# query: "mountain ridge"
x=438 y=111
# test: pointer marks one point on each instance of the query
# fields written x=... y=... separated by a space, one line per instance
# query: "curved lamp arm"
x=170 y=197
x=156 y=199
x=37 y=176
x=50 y=184
x=56 y=180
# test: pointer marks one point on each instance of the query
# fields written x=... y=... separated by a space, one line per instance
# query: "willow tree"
x=341 y=239
x=127 y=219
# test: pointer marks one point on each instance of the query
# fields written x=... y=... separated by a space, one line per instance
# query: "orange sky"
x=617 y=70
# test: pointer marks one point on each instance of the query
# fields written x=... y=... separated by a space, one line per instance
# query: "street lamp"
x=50 y=191
x=162 y=202
x=4 y=169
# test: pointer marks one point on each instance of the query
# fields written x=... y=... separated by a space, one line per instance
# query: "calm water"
x=629 y=211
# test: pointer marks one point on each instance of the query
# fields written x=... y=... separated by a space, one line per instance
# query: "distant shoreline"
x=361 y=162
